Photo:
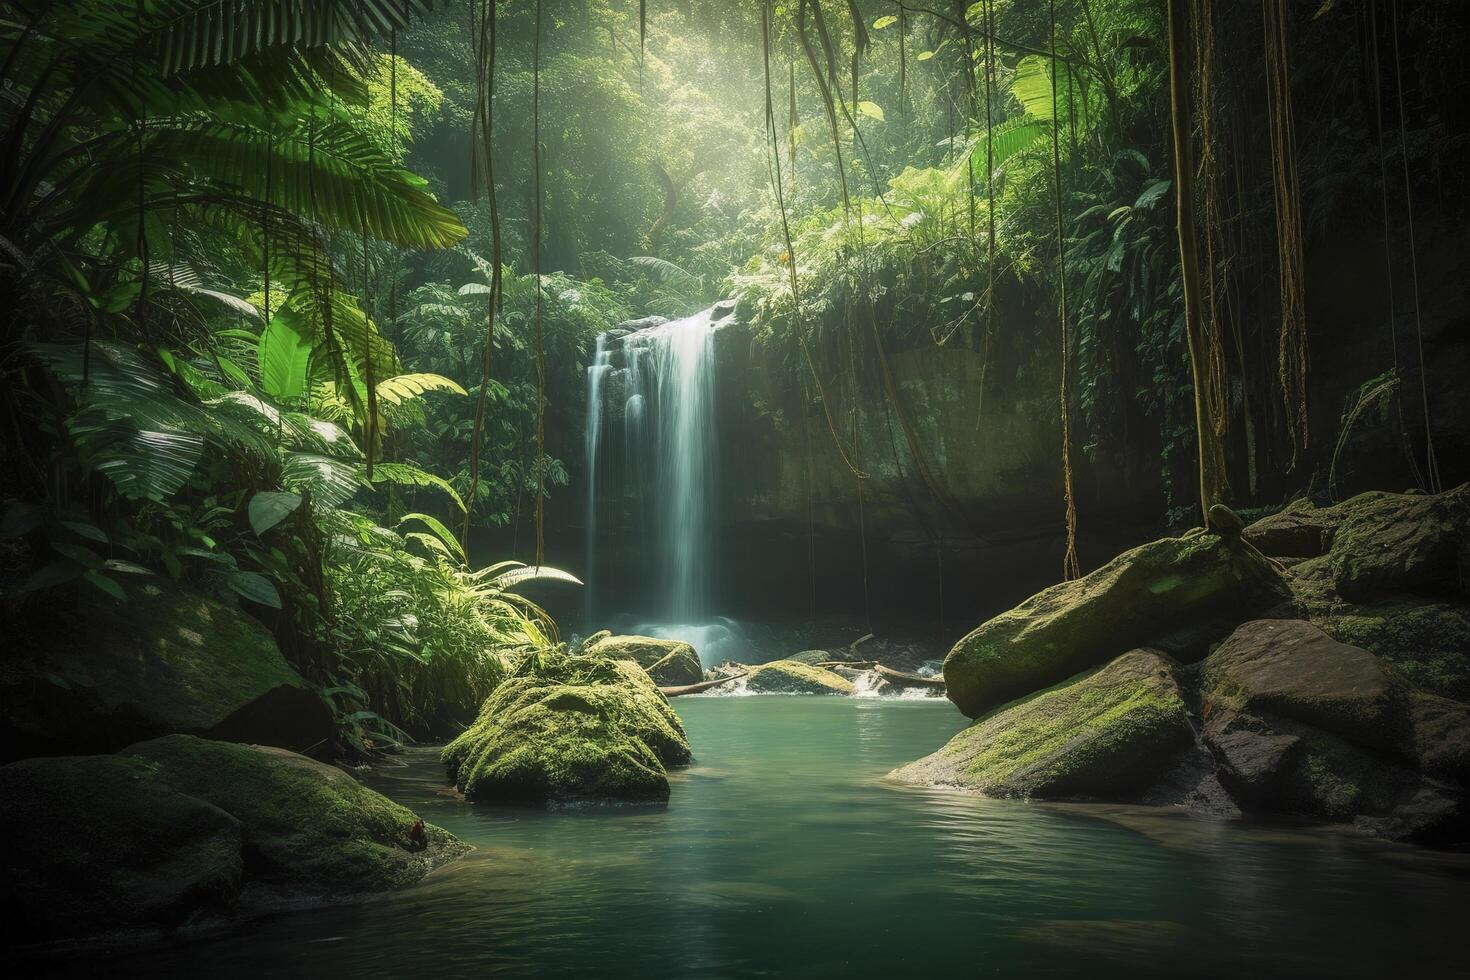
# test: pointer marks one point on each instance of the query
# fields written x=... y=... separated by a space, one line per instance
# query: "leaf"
x=89 y=531
x=20 y=519
x=924 y=56
x=871 y=109
x=437 y=526
x=544 y=573
x=108 y=585
x=270 y=507
x=396 y=391
x=283 y=356
x=883 y=22
x=1152 y=193
x=85 y=557
x=404 y=474
x=127 y=567
x=255 y=587
x=52 y=575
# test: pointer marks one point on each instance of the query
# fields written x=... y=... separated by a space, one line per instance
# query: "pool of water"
x=783 y=853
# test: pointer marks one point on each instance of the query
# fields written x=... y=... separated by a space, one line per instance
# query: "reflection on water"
x=784 y=853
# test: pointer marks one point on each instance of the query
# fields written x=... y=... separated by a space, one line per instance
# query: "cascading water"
x=659 y=383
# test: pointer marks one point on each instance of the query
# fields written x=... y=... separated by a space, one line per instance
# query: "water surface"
x=784 y=854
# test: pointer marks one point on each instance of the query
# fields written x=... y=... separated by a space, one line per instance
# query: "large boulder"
x=97 y=845
x=1109 y=733
x=569 y=729
x=1202 y=585
x=1301 y=723
x=1300 y=530
x=670 y=663
x=1393 y=542
x=1427 y=642
x=312 y=832
x=792 y=677
x=184 y=831
x=166 y=660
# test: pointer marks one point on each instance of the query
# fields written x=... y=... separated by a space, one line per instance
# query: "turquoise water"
x=784 y=854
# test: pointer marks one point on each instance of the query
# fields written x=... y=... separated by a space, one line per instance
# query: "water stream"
x=782 y=852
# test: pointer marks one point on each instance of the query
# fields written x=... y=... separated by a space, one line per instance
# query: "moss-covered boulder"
x=1427 y=642
x=166 y=660
x=1392 y=543
x=1137 y=599
x=184 y=831
x=670 y=663
x=311 y=831
x=570 y=729
x=1108 y=733
x=97 y=845
x=791 y=677
x=1300 y=530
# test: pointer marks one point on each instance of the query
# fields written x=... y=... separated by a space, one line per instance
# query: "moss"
x=311 y=830
x=792 y=677
x=1137 y=598
x=1391 y=542
x=1427 y=642
x=1106 y=733
x=668 y=662
x=574 y=728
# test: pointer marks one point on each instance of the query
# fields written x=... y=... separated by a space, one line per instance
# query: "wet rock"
x=791 y=677
x=1427 y=642
x=1148 y=592
x=670 y=663
x=570 y=729
x=166 y=660
x=1109 y=733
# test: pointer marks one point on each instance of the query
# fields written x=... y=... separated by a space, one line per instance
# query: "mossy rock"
x=791 y=677
x=311 y=831
x=1108 y=733
x=1144 y=594
x=1428 y=643
x=184 y=831
x=570 y=729
x=166 y=660
x=671 y=663
x=1392 y=542
x=1301 y=530
x=1291 y=669
x=99 y=845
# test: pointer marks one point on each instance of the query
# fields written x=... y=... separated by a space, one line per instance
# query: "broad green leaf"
x=925 y=55
x=52 y=575
x=255 y=587
x=397 y=390
x=871 y=109
x=107 y=585
x=437 y=526
x=283 y=355
x=883 y=22
x=85 y=557
x=270 y=507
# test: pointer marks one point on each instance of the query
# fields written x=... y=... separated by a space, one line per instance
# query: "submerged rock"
x=669 y=662
x=166 y=660
x=570 y=728
x=791 y=677
x=1139 y=597
x=1109 y=733
x=182 y=831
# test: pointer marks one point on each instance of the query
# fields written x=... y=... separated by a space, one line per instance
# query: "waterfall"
x=658 y=382
x=596 y=373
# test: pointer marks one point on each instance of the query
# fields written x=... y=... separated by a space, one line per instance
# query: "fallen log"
x=903 y=679
x=674 y=692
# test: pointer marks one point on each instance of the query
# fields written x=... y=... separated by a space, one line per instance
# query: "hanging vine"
x=536 y=271
x=1071 y=568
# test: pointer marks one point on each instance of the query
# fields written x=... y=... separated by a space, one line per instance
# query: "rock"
x=670 y=663
x=166 y=660
x=576 y=728
x=1292 y=669
x=184 y=831
x=1428 y=643
x=1148 y=592
x=642 y=323
x=1108 y=733
x=790 y=677
x=1224 y=521
x=594 y=639
x=814 y=657
x=311 y=831
x=97 y=845
x=1302 y=530
x=1441 y=736
x=1392 y=543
